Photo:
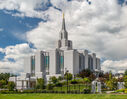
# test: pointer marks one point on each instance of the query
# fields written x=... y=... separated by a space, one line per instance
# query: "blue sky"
x=12 y=25
x=17 y=24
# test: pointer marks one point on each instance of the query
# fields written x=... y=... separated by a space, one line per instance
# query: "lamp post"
x=74 y=80
x=67 y=78
x=15 y=81
x=29 y=82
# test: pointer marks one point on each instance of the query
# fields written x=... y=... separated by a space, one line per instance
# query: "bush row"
x=44 y=91
x=121 y=90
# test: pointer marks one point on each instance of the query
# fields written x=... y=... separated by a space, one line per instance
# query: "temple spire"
x=63 y=42
x=63 y=23
x=63 y=32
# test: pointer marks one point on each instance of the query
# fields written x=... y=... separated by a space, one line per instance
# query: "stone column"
x=93 y=87
x=99 y=87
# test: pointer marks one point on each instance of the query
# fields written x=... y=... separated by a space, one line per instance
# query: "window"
x=62 y=61
x=46 y=62
x=33 y=65
x=69 y=44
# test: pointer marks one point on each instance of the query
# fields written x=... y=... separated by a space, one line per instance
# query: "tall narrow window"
x=62 y=62
x=33 y=65
x=47 y=62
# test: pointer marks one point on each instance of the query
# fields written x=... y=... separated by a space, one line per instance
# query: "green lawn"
x=61 y=96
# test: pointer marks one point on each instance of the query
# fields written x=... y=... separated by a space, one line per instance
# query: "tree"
x=112 y=82
x=2 y=83
x=4 y=76
x=125 y=73
x=53 y=79
x=101 y=74
x=11 y=86
x=121 y=79
x=102 y=79
x=92 y=77
x=109 y=84
x=125 y=80
x=69 y=75
x=85 y=73
x=106 y=76
x=110 y=75
x=40 y=83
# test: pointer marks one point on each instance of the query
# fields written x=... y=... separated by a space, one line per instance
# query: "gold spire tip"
x=63 y=15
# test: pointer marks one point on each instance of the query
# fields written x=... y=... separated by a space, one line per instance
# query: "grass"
x=62 y=96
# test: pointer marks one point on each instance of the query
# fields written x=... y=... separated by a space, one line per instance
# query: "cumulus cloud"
x=100 y=27
x=115 y=66
x=25 y=7
x=14 y=57
x=1 y=50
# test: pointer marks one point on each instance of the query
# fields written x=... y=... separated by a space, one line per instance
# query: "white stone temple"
x=55 y=62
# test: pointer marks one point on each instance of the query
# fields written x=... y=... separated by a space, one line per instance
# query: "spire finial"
x=63 y=15
x=63 y=23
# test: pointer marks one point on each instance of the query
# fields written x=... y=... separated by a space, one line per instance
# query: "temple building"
x=55 y=62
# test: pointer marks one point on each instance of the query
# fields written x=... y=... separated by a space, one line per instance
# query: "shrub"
x=125 y=92
x=60 y=78
x=7 y=92
x=50 y=86
x=53 y=79
x=40 y=84
x=28 y=91
x=64 y=82
x=74 y=81
x=86 y=80
x=79 y=80
x=58 y=84
x=120 y=90
x=86 y=91
x=11 y=86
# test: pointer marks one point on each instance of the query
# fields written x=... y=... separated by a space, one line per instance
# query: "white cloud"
x=1 y=50
x=115 y=66
x=1 y=29
x=17 y=54
x=100 y=27
x=25 y=7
